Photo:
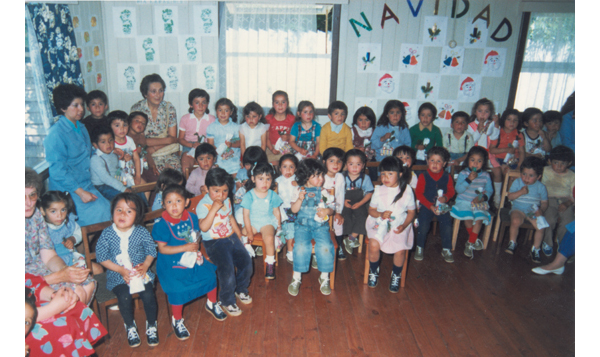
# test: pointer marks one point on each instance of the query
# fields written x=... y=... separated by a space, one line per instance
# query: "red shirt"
x=421 y=188
x=505 y=139
x=275 y=126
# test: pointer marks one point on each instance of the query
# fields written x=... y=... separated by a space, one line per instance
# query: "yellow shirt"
x=330 y=139
x=558 y=185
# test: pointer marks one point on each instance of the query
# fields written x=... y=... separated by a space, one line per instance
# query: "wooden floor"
x=492 y=305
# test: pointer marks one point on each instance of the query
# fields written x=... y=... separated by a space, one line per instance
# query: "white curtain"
x=269 y=47
x=548 y=74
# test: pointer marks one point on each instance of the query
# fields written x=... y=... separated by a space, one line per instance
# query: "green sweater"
x=417 y=136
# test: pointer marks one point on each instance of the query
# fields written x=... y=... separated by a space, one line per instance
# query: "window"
x=547 y=75
x=269 y=47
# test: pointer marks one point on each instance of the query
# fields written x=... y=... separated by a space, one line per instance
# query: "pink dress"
x=382 y=201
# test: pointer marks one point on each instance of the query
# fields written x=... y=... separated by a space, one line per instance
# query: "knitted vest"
x=432 y=186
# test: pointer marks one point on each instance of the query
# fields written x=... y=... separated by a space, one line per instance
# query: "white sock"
x=324 y=276
x=209 y=304
x=270 y=259
x=297 y=276
x=497 y=191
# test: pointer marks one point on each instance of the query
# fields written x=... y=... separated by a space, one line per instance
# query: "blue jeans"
x=229 y=254
x=305 y=231
x=445 y=222
x=109 y=193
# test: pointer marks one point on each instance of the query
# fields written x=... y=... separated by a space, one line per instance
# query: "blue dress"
x=57 y=235
x=68 y=151
x=261 y=209
x=229 y=160
x=181 y=284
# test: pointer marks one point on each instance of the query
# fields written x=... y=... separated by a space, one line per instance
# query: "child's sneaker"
x=535 y=255
x=313 y=262
x=270 y=274
x=395 y=283
x=258 y=251
x=294 y=287
x=244 y=298
x=341 y=255
x=447 y=254
x=152 y=334
x=232 y=310
x=348 y=245
x=419 y=254
x=325 y=288
x=512 y=246
x=546 y=249
x=478 y=245
x=373 y=278
x=181 y=332
x=289 y=256
x=216 y=311
x=133 y=338
x=354 y=243
x=469 y=247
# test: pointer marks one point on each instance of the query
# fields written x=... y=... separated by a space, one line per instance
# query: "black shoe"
x=181 y=332
x=132 y=335
x=373 y=278
x=535 y=255
x=270 y=274
x=341 y=255
x=395 y=283
x=152 y=334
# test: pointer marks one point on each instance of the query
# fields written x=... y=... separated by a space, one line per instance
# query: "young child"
x=336 y=133
x=359 y=190
x=224 y=135
x=334 y=182
x=205 y=156
x=407 y=155
x=536 y=139
x=363 y=124
x=58 y=210
x=473 y=186
x=529 y=199
x=221 y=237
x=127 y=250
x=125 y=147
x=560 y=183
x=312 y=224
x=97 y=104
x=253 y=131
x=393 y=208
x=177 y=233
x=305 y=133
x=192 y=126
x=261 y=211
x=552 y=120
x=288 y=190
x=424 y=135
x=167 y=177
x=434 y=189
x=391 y=131
x=457 y=141
x=280 y=120
x=137 y=126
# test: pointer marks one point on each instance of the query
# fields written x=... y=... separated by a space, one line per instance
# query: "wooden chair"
x=503 y=218
x=146 y=187
x=486 y=233
x=105 y=298
x=366 y=275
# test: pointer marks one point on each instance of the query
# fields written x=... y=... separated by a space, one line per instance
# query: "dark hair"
x=205 y=148
x=303 y=104
x=562 y=153
x=338 y=104
x=441 y=151
x=477 y=150
x=33 y=180
x=140 y=208
x=482 y=101
x=307 y=168
x=174 y=188
x=460 y=114
x=366 y=111
x=117 y=115
x=30 y=300
x=391 y=104
x=505 y=116
x=219 y=177
x=254 y=154
x=287 y=99
x=135 y=114
x=100 y=130
x=355 y=152
x=260 y=168
x=552 y=115
x=290 y=157
x=535 y=163
x=232 y=107
x=405 y=149
x=529 y=113
x=429 y=107
x=569 y=105
x=394 y=164
x=58 y=196
x=149 y=79
x=195 y=93
x=333 y=151
x=168 y=177
x=96 y=94
x=256 y=108
x=64 y=94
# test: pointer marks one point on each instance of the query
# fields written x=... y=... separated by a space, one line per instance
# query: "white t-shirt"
x=252 y=136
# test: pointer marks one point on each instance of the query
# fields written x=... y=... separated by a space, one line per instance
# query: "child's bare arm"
x=277 y=214
x=249 y=229
x=294 y=146
x=298 y=204
x=263 y=141
x=407 y=222
x=542 y=209
x=137 y=164
x=242 y=144
x=235 y=226
x=163 y=248
x=374 y=213
x=317 y=148
x=514 y=195
x=207 y=222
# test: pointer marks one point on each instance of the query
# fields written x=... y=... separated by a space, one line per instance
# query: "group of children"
x=320 y=180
